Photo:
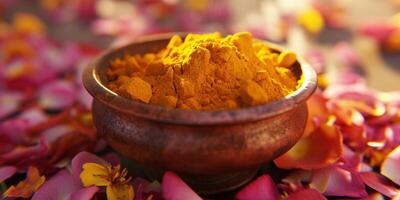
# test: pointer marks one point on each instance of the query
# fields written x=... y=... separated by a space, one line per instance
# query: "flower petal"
x=391 y=165
x=173 y=188
x=261 y=188
x=59 y=186
x=319 y=149
x=309 y=194
x=94 y=174
x=122 y=191
x=6 y=172
x=27 y=187
x=84 y=193
x=82 y=158
x=57 y=95
x=337 y=181
x=9 y=103
x=380 y=184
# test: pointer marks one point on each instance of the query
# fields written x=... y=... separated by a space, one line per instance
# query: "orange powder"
x=205 y=72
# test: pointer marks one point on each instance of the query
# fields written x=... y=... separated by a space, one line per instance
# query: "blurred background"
x=336 y=36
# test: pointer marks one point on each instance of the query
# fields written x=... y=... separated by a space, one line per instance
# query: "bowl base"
x=210 y=185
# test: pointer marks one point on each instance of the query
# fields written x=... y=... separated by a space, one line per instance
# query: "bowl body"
x=195 y=142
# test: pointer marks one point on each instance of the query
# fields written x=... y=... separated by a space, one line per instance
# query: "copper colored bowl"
x=197 y=143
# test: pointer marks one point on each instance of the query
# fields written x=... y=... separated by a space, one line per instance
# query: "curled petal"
x=391 y=166
x=173 y=188
x=9 y=103
x=337 y=181
x=120 y=191
x=380 y=184
x=27 y=187
x=57 y=95
x=6 y=172
x=319 y=149
x=59 y=186
x=309 y=194
x=261 y=188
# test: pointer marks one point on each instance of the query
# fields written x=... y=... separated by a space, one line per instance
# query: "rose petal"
x=173 y=188
x=337 y=181
x=380 y=184
x=57 y=95
x=346 y=54
x=319 y=149
x=309 y=194
x=9 y=103
x=391 y=166
x=377 y=30
x=80 y=159
x=59 y=186
x=261 y=188
x=6 y=172
x=85 y=193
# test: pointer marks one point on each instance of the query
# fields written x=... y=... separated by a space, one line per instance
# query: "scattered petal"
x=57 y=95
x=380 y=184
x=27 y=187
x=6 y=172
x=85 y=193
x=59 y=186
x=309 y=194
x=173 y=188
x=261 y=188
x=391 y=166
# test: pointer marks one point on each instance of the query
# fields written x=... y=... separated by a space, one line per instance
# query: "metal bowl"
x=228 y=144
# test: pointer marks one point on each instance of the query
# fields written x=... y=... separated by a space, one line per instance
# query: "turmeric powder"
x=205 y=72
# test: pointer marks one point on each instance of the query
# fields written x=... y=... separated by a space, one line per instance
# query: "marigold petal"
x=391 y=165
x=321 y=148
x=94 y=174
x=28 y=186
x=120 y=192
x=261 y=188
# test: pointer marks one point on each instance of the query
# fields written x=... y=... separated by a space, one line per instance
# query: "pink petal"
x=261 y=188
x=380 y=184
x=377 y=30
x=84 y=193
x=391 y=166
x=59 y=186
x=317 y=60
x=57 y=95
x=52 y=134
x=337 y=181
x=82 y=158
x=309 y=194
x=23 y=155
x=9 y=102
x=173 y=188
x=346 y=54
x=6 y=172
x=112 y=158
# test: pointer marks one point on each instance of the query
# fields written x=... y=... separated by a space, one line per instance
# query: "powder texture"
x=205 y=72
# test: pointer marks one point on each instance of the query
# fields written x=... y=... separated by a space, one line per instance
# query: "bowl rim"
x=93 y=84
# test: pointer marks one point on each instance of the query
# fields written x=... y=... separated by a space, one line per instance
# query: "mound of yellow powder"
x=205 y=72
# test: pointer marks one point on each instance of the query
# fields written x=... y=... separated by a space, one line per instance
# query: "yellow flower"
x=27 y=187
x=118 y=185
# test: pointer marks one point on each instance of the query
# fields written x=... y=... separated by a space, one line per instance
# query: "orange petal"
x=316 y=110
x=120 y=192
x=319 y=149
x=27 y=23
x=28 y=186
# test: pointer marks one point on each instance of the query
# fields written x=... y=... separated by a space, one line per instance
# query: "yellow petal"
x=120 y=192
x=94 y=174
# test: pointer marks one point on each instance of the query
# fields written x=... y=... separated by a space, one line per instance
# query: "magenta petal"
x=6 y=172
x=262 y=188
x=309 y=194
x=337 y=181
x=82 y=158
x=59 y=186
x=380 y=184
x=57 y=95
x=346 y=54
x=9 y=102
x=84 y=193
x=112 y=158
x=391 y=165
x=173 y=188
